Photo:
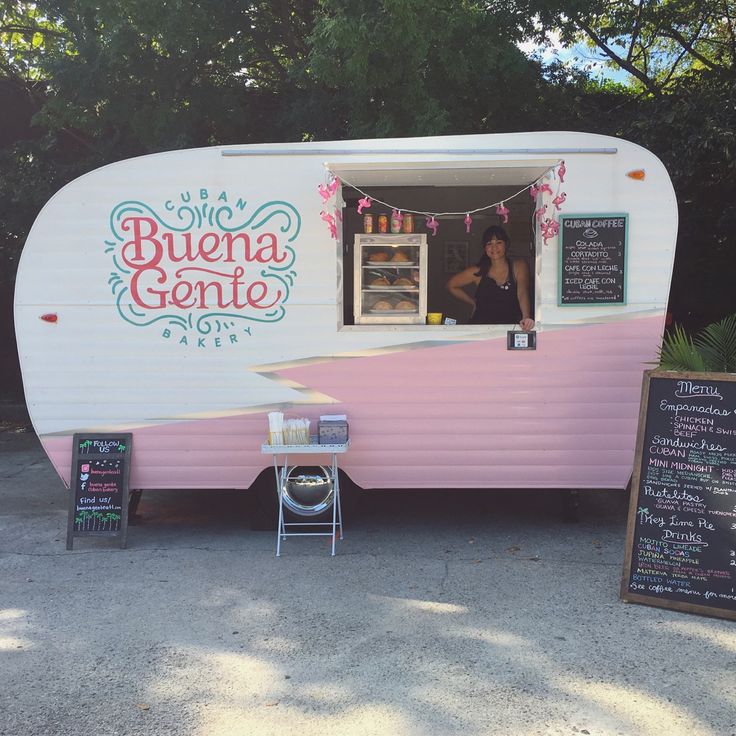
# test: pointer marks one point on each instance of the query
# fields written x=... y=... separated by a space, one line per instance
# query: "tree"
x=655 y=41
x=421 y=67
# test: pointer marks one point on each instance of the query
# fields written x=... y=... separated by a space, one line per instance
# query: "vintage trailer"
x=182 y=296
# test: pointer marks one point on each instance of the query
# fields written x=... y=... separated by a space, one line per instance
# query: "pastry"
x=406 y=306
x=400 y=257
x=378 y=257
x=380 y=281
x=401 y=281
x=382 y=305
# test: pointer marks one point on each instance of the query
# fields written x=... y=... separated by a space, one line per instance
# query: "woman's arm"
x=456 y=284
x=521 y=274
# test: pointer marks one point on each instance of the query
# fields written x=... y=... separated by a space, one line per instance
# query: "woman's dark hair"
x=494 y=231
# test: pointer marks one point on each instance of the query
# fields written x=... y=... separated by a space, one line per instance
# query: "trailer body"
x=182 y=296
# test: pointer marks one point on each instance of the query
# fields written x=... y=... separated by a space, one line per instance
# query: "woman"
x=502 y=285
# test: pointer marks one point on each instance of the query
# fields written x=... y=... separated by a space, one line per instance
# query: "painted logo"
x=202 y=273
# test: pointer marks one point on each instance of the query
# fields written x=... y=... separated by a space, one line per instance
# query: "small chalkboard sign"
x=593 y=259
x=98 y=498
x=681 y=540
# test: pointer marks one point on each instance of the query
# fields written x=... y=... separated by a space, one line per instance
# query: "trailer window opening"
x=452 y=248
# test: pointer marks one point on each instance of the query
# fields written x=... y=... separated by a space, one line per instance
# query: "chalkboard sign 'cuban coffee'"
x=681 y=541
x=98 y=503
x=593 y=259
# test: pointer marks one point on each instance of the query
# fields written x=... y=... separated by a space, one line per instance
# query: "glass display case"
x=390 y=285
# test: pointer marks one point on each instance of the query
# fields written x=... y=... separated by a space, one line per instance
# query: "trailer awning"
x=472 y=173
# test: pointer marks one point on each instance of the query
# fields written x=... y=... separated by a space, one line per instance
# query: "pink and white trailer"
x=182 y=296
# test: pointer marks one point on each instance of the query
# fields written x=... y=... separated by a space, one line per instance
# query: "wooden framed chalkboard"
x=681 y=538
x=98 y=493
x=593 y=259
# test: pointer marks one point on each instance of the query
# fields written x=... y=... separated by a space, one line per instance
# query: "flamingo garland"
x=331 y=224
x=558 y=200
x=549 y=229
x=328 y=191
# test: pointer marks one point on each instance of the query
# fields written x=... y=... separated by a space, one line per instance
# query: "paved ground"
x=443 y=614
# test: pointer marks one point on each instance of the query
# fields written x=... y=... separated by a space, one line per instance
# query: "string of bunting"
x=548 y=226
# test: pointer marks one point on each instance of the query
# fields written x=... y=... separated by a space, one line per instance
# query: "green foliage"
x=678 y=353
x=421 y=67
x=717 y=344
x=712 y=349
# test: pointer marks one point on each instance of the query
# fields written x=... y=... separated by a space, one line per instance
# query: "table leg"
x=336 y=503
x=279 y=485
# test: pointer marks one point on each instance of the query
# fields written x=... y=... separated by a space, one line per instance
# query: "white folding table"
x=313 y=448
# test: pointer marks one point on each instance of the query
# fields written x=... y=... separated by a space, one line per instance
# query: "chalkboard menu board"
x=98 y=503
x=681 y=541
x=593 y=259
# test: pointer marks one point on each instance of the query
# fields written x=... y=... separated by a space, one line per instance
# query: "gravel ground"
x=443 y=613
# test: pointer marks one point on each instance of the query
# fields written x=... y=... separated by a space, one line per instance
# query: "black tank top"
x=496 y=304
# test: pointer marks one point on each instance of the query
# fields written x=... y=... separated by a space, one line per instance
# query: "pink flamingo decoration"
x=549 y=229
x=539 y=214
x=557 y=201
x=333 y=185
x=468 y=222
x=503 y=212
x=561 y=172
x=545 y=188
x=324 y=192
x=432 y=224
x=331 y=224
x=363 y=203
x=533 y=191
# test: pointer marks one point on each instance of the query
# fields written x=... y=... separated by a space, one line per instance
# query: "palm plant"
x=713 y=349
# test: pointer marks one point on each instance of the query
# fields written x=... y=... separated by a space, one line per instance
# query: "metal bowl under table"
x=308 y=490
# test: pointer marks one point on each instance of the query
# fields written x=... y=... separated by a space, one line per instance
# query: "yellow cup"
x=434 y=318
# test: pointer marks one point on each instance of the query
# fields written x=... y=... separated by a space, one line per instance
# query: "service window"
x=400 y=277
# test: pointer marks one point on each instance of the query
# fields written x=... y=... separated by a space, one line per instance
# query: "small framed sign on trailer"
x=98 y=490
x=681 y=539
x=593 y=259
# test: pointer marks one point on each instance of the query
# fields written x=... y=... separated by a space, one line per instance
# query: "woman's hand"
x=527 y=324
